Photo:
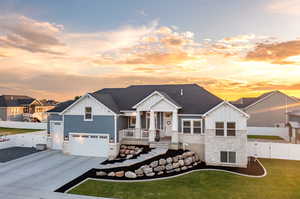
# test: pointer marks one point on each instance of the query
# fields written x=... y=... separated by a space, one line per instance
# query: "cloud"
x=30 y=35
x=290 y=7
x=276 y=53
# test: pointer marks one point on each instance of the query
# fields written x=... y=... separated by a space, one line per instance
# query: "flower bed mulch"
x=145 y=149
x=253 y=169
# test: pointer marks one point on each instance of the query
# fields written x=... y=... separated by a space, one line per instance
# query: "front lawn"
x=282 y=181
x=266 y=137
x=12 y=131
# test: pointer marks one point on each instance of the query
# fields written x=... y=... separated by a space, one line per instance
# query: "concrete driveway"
x=36 y=176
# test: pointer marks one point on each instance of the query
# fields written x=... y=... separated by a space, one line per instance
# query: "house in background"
x=160 y=116
x=269 y=109
x=24 y=108
x=294 y=126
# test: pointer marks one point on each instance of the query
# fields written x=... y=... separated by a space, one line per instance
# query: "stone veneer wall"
x=215 y=144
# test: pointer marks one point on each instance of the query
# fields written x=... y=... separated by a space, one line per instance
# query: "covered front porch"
x=151 y=126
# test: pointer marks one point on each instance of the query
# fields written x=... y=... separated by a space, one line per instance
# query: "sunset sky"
x=60 y=49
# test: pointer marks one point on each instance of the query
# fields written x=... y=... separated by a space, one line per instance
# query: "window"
x=228 y=156
x=197 y=126
x=230 y=128
x=132 y=121
x=187 y=126
x=219 y=128
x=88 y=113
x=192 y=126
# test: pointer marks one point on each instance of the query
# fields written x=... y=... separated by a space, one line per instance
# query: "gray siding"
x=53 y=117
x=185 y=117
x=3 y=114
x=122 y=123
x=100 y=124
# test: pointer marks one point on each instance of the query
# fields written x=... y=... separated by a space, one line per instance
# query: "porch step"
x=151 y=154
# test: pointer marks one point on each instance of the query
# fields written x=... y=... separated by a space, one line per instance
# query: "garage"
x=84 y=144
x=57 y=134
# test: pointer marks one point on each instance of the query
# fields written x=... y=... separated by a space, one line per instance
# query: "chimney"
x=181 y=92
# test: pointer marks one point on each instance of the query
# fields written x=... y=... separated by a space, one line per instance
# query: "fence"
x=25 y=139
x=23 y=125
x=282 y=132
x=274 y=150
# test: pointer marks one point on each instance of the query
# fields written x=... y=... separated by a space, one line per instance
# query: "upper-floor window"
x=192 y=126
x=220 y=129
x=88 y=113
x=230 y=128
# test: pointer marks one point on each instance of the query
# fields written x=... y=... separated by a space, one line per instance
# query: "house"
x=180 y=116
x=294 y=126
x=24 y=108
x=269 y=109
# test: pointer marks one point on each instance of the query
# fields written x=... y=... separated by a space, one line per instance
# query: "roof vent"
x=181 y=92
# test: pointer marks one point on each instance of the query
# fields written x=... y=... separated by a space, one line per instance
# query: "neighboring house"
x=294 y=126
x=24 y=108
x=175 y=116
x=269 y=109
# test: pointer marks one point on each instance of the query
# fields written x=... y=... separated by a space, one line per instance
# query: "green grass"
x=282 y=182
x=12 y=131
x=266 y=137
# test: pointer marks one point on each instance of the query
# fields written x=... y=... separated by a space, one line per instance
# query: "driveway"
x=36 y=176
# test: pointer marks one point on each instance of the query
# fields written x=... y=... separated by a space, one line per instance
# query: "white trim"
x=227 y=103
x=190 y=114
x=81 y=98
x=264 y=98
x=116 y=130
x=192 y=126
x=92 y=116
x=153 y=93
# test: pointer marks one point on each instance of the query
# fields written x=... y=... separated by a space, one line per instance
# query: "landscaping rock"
x=197 y=158
x=111 y=174
x=189 y=167
x=181 y=163
x=129 y=156
x=175 y=159
x=169 y=160
x=159 y=168
x=101 y=173
x=139 y=172
x=123 y=146
x=188 y=161
x=177 y=169
x=147 y=170
x=170 y=171
x=175 y=165
x=169 y=167
x=132 y=152
x=120 y=174
x=160 y=173
x=122 y=155
x=183 y=168
x=150 y=174
x=162 y=162
x=180 y=157
x=130 y=174
x=195 y=164
x=127 y=151
x=154 y=164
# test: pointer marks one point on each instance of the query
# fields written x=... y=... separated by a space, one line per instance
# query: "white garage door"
x=57 y=134
x=84 y=144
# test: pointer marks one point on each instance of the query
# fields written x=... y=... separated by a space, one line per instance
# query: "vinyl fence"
x=23 y=125
x=282 y=132
x=274 y=150
x=25 y=139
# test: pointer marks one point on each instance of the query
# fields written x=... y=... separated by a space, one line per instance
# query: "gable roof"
x=192 y=98
x=61 y=106
x=246 y=102
x=15 y=100
x=230 y=105
x=163 y=95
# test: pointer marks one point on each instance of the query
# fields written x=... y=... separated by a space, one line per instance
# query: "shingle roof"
x=15 y=100
x=107 y=100
x=195 y=99
x=61 y=106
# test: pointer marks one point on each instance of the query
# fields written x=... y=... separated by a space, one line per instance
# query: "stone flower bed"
x=128 y=152
x=168 y=165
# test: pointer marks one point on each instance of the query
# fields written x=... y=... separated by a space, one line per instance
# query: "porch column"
x=152 y=127
x=175 y=127
x=138 y=124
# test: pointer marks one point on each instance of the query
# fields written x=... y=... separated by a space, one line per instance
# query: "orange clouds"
x=275 y=53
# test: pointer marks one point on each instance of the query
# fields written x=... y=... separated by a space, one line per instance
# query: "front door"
x=168 y=124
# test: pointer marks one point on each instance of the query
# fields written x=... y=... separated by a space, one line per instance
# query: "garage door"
x=84 y=144
x=57 y=134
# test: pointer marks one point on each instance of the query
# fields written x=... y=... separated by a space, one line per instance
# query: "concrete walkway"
x=36 y=176
x=151 y=154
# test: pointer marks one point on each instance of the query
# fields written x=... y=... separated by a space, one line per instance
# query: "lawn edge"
x=170 y=177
